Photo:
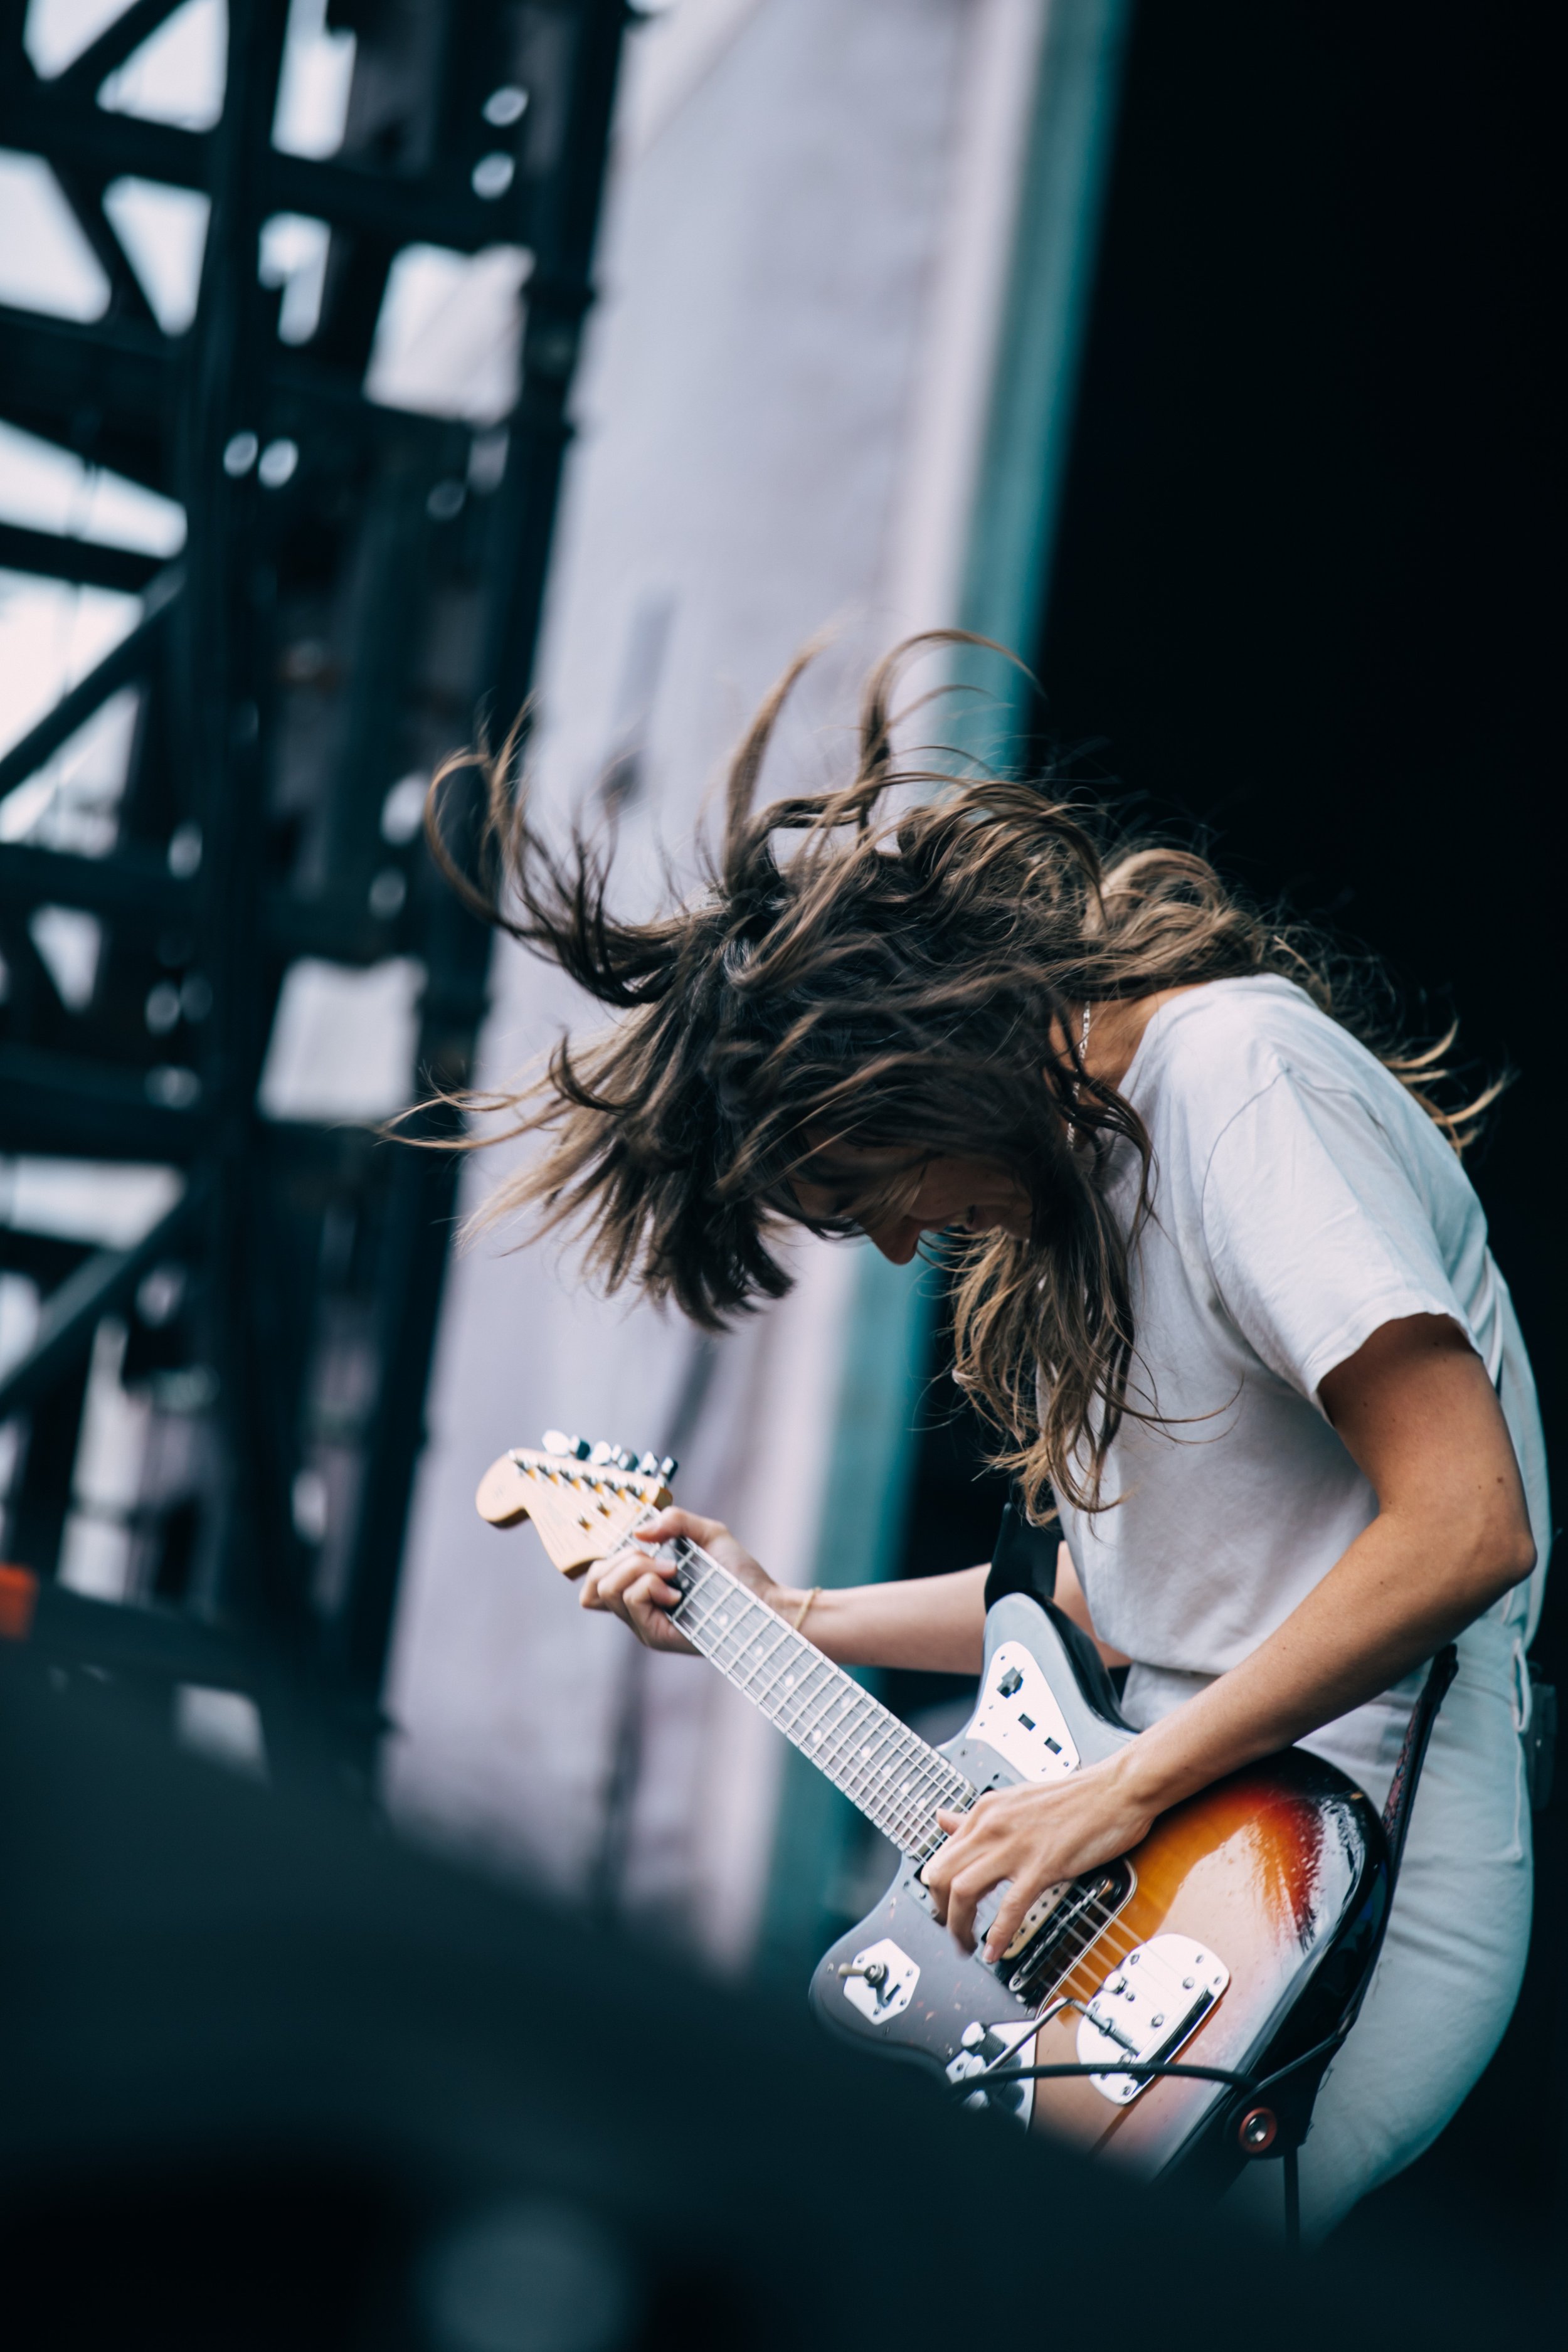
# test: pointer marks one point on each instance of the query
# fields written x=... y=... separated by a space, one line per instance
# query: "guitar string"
x=903 y=1808
x=838 y=1747
x=932 y=1779
x=930 y=1761
x=917 y=1811
x=865 y=1749
x=1095 y=1960
x=1099 y=1954
x=885 y=1769
x=1091 y=1911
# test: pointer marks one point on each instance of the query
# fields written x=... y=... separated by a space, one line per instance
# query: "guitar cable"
x=1145 y=2070
x=1251 y=2086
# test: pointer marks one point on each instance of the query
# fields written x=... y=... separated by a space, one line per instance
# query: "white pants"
x=1452 y=1960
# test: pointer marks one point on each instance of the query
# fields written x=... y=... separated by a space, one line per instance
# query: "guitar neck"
x=896 y=1779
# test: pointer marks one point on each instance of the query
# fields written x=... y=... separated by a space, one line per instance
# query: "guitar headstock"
x=584 y=1500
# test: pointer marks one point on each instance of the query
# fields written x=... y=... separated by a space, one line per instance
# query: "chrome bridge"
x=1146 y=2008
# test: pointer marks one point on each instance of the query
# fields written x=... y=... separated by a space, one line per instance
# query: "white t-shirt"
x=1301 y=1199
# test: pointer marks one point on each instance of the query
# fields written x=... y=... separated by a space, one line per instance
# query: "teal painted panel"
x=1013 y=524
x=883 y=1364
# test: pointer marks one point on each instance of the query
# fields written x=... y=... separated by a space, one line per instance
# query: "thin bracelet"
x=803 y=1612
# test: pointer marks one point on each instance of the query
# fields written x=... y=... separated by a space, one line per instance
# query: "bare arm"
x=1419 y=1416
x=934 y=1623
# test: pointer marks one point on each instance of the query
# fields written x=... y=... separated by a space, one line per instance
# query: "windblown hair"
x=903 y=977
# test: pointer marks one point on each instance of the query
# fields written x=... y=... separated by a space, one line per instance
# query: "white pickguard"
x=1018 y=1716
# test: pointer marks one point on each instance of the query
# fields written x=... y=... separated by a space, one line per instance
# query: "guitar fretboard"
x=896 y=1779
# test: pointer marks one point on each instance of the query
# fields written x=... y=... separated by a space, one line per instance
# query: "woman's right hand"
x=631 y=1586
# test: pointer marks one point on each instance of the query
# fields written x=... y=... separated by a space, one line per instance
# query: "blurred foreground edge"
x=272 y=2079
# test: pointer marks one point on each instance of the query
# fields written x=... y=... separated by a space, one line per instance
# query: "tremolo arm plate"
x=1146 y=2008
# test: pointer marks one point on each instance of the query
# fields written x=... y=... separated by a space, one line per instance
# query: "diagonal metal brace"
x=72 y=1313
x=73 y=710
x=112 y=47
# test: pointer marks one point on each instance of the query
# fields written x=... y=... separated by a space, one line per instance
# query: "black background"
x=1303 y=589
x=1302 y=601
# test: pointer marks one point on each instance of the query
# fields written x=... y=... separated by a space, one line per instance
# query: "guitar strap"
x=1025 y=1559
x=1413 y=1755
x=1397 y=1809
x=1293 y=2090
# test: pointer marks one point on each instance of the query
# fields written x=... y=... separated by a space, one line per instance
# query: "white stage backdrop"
x=780 y=416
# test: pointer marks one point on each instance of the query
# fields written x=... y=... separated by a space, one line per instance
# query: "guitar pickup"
x=1062 y=1924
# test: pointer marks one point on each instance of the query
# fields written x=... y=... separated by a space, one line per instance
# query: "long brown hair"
x=905 y=976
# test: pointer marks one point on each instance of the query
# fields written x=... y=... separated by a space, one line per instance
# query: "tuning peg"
x=653 y=1466
x=606 y=1457
x=555 y=1441
x=668 y=1469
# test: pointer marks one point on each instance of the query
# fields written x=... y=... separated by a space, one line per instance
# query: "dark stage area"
x=1302 y=604
x=1301 y=613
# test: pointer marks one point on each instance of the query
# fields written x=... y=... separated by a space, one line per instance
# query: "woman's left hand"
x=1033 y=1837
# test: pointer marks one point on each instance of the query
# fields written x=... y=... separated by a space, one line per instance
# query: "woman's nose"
x=897 y=1240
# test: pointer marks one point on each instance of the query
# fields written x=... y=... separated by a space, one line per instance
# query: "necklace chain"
x=1076 y=1085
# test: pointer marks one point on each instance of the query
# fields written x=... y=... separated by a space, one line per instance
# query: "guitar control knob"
x=1011 y=1683
x=972 y=2035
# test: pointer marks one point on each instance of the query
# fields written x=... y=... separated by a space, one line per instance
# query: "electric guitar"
x=1174 y=2007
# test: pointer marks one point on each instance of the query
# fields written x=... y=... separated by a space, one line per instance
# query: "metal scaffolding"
x=357 y=582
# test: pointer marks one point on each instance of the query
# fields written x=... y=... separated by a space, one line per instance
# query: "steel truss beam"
x=317 y=639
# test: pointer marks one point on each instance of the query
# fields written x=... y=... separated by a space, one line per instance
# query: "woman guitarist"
x=1222 y=1288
